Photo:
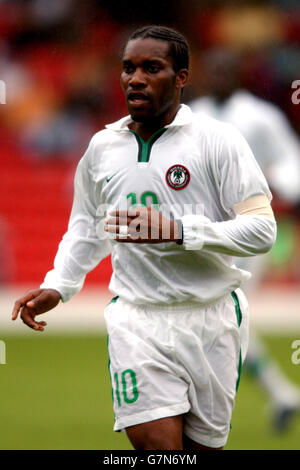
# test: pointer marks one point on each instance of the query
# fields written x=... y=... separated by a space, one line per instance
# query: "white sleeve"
x=237 y=173
x=238 y=178
x=80 y=249
x=244 y=236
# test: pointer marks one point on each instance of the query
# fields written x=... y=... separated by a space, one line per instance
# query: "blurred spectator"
x=274 y=143
x=44 y=12
x=277 y=149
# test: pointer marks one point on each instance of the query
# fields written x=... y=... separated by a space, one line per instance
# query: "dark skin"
x=152 y=90
x=151 y=86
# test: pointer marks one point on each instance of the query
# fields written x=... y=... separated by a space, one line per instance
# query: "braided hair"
x=179 y=48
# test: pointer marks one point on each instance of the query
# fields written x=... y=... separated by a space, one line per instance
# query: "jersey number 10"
x=148 y=198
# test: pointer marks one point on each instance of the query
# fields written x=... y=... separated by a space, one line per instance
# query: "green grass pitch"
x=55 y=394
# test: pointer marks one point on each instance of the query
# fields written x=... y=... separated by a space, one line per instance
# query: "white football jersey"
x=273 y=142
x=192 y=164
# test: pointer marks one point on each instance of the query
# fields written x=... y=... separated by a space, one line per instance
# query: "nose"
x=138 y=78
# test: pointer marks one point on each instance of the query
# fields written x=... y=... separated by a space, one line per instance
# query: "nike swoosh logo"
x=109 y=178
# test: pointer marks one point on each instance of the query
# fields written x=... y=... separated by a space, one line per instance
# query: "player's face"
x=150 y=84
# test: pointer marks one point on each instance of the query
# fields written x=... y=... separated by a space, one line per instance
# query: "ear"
x=182 y=78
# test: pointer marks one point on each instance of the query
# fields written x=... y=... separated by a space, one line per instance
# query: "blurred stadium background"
x=60 y=61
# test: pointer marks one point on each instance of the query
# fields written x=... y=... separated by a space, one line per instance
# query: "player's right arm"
x=34 y=303
x=79 y=252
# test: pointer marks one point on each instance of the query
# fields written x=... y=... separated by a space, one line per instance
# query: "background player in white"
x=178 y=325
x=276 y=147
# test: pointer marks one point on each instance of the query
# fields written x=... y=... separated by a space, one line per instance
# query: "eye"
x=127 y=68
x=153 y=68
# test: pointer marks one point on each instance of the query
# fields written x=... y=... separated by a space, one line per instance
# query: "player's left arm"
x=252 y=232
x=243 y=194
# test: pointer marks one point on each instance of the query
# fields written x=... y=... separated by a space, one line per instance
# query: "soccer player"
x=195 y=198
x=276 y=148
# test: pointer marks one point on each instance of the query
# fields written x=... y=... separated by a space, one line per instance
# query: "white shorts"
x=177 y=359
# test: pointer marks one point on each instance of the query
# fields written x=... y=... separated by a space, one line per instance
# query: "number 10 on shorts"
x=123 y=382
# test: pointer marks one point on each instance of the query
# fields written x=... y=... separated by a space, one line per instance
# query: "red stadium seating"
x=35 y=202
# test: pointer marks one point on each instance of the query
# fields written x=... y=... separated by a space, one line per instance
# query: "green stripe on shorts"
x=239 y=317
x=238 y=312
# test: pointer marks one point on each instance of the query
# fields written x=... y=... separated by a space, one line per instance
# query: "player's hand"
x=144 y=225
x=34 y=303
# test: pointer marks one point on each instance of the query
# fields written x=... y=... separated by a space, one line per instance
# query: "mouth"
x=137 y=98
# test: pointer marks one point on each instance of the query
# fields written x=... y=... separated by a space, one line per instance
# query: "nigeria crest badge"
x=178 y=177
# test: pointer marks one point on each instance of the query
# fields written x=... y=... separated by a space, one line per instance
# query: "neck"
x=148 y=127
